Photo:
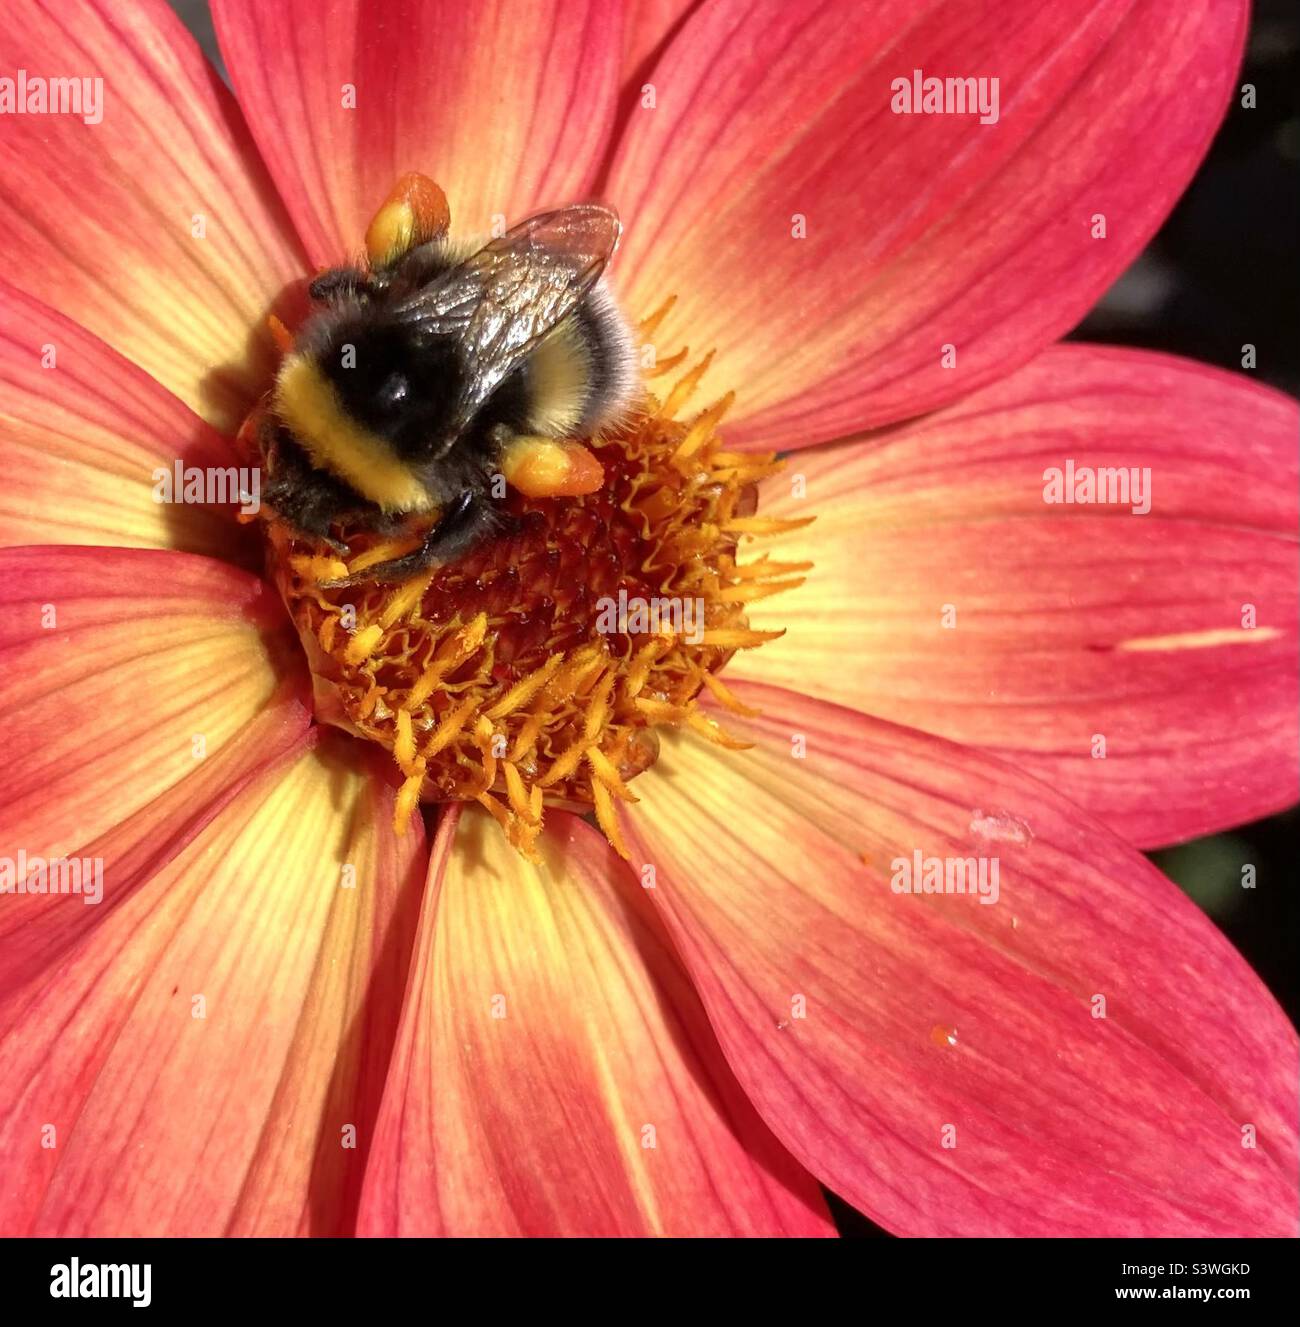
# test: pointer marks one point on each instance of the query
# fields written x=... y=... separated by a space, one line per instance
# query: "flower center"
x=534 y=669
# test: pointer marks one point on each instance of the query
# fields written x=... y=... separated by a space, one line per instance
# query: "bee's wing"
x=503 y=299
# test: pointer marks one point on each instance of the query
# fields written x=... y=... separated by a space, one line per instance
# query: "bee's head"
x=372 y=402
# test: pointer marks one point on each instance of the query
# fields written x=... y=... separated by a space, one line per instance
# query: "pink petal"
x=135 y=1109
x=923 y=230
x=36 y=929
x=1072 y=623
x=83 y=434
x=554 y=1073
x=936 y=1060
x=647 y=27
x=507 y=105
x=124 y=669
x=98 y=220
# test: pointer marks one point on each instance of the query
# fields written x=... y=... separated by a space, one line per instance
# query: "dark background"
x=1221 y=272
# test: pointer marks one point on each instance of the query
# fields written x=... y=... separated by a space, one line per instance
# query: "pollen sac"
x=533 y=670
x=414 y=213
x=545 y=468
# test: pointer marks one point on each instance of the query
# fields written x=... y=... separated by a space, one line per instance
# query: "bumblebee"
x=426 y=372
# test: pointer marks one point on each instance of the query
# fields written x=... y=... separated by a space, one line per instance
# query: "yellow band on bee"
x=310 y=407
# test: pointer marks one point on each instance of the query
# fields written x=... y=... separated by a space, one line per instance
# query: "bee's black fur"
x=310 y=499
x=402 y=383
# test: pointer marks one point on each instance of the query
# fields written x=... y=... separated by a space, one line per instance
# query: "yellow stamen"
x=450 y=728
x=485 y=737
x=762 y=567
x=522 y=692
x=363 y=643
x=765 y=524
x=565 y=765
x=642 y=663
x=661 y=711
x=408 y=796
x=527 y=738
x=739 y=638
x=648 y=326
x=747 y=594
x=685 y=387
x=668 y=363
x=725 y=697
x=519 y=797
x=405 y=600
x=603 y=769
x=702 y=429
x=607 y=819
x=707 y=728
x=404 y=745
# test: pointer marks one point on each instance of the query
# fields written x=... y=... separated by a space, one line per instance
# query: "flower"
x=284 y=1017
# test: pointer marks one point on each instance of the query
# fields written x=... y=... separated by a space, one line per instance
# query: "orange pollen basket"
x=534 y=670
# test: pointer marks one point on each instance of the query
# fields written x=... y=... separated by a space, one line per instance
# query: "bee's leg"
x=303 y=511
x=338 y=281
x=460 y=526
x=308 y=500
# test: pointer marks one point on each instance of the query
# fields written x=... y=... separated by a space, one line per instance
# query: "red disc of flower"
x=284 y=1016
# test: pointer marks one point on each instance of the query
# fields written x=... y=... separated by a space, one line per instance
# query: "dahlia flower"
x=647 y=965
